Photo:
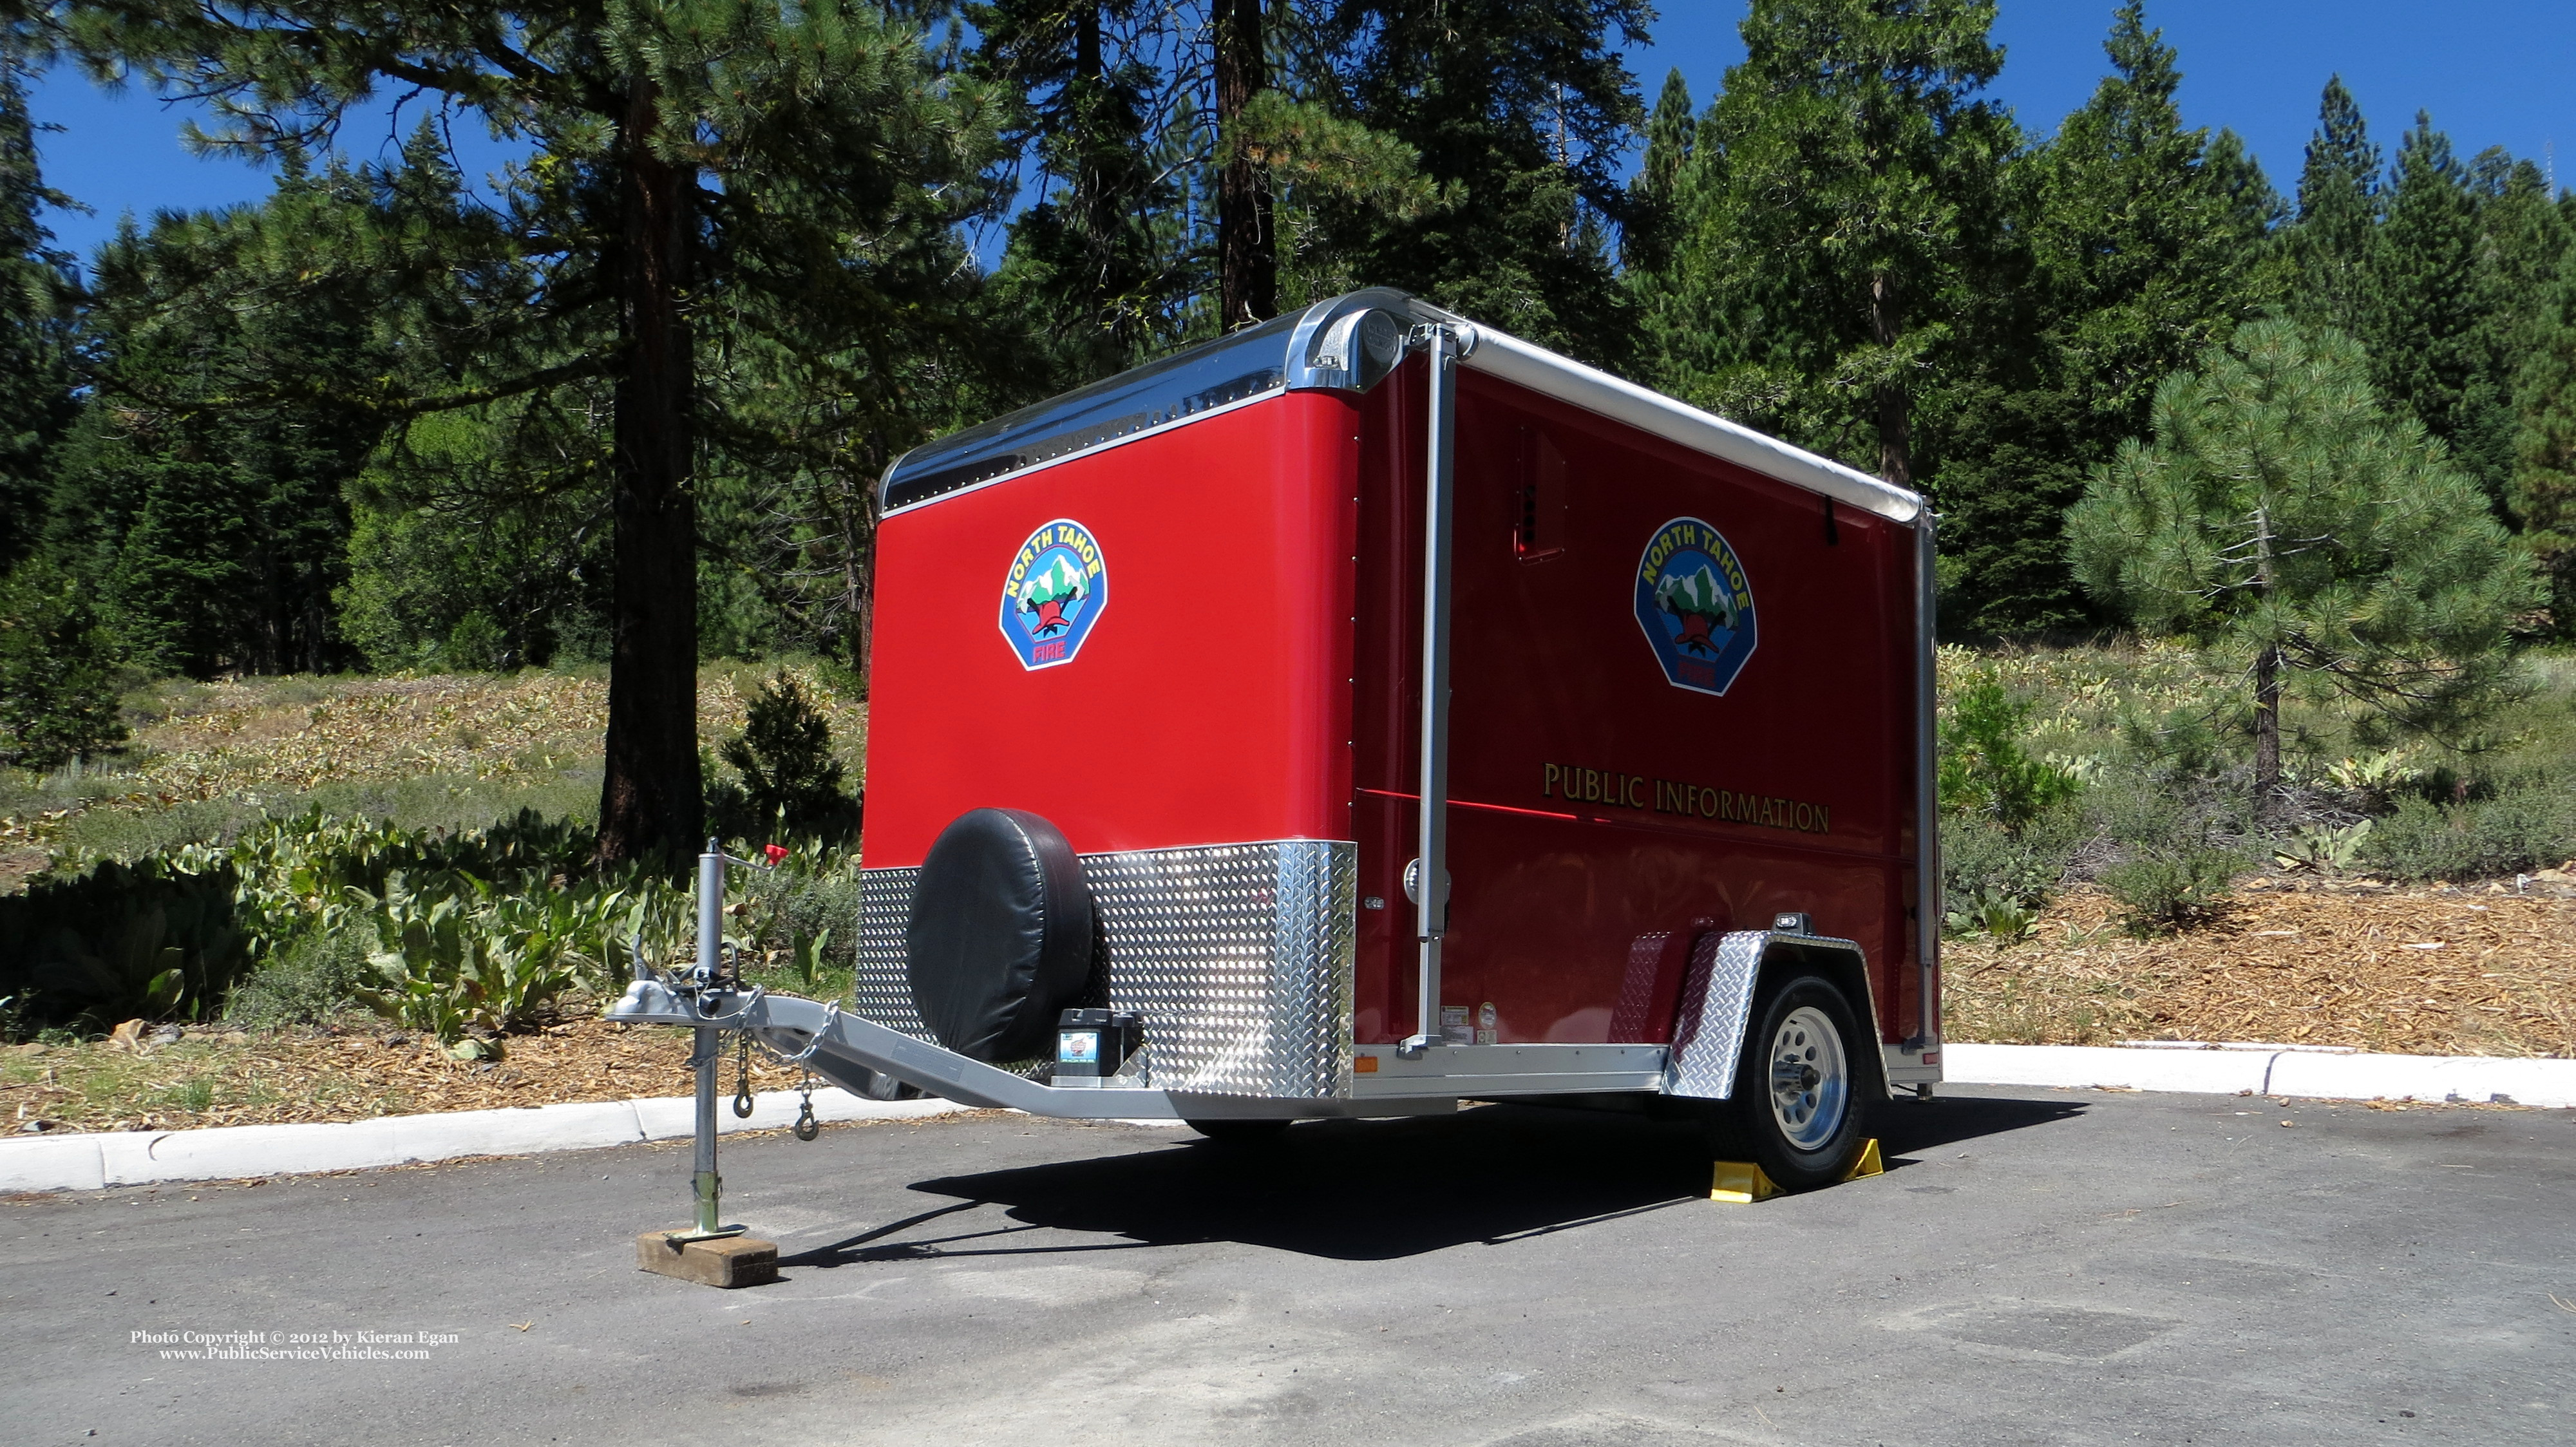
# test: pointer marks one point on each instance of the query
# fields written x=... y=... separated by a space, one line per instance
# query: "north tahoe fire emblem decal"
x=1054 y=593
x=1696 y=606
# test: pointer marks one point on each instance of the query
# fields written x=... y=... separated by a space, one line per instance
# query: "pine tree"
x=1519 y=111
x=2282 y=514
x=2143 y=241
x=1646 y=244
x=2544 y=477
x=2426 y=318
x=2327 y=253
x=58 y=697
x=1846 y=184
x=697 y=161
x=37 y=292
x=1094 y=253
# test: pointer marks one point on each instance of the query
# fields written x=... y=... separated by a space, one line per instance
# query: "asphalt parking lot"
x=2036 y=1267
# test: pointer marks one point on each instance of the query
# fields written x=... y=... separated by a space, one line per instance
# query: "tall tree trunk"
x=1247 y=257
x=652 y=797
x=2267 y=679
x=2267 y=728
x=1892 y=402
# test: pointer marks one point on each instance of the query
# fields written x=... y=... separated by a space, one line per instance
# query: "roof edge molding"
x=1346 y=343
x=1513 y=360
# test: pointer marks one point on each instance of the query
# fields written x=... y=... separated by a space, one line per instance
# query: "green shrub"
x=1995 y=880
x=458 y=954
x=155 y=939
x=316 y=976
x=790 y=777
x=2167 y=890
x=1984 y=769
x=2522 y=828
x=2175 y=841
x=58 y=697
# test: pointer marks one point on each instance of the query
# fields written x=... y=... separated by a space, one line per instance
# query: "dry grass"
x=266 y=741
x=2426 y=972
x=271 y=1077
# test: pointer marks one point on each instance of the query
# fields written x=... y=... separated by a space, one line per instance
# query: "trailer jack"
x=709 y=1251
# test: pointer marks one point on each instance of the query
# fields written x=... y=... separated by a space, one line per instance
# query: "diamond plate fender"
x=1717 y=1005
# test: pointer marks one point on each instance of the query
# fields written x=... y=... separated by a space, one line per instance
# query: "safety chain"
x=807 y=1127
x=742 y=1103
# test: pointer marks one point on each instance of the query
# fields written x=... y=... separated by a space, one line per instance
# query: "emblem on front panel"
x=1054 y=592
x=1696 y=606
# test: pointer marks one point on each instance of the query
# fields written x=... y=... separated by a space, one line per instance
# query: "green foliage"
x=1984 y=770
x=458 y=954
x=199 y=496
x=1996 y=880
x=2532 y=826
x=1840 y=194
x=316 y=976
x=2324 y=848
x=2428 y=320
x=480 y=928
x=2160 y=893
x=2327 y=254
x=790 y=776
x=1520 y=113
x=151 y=939
x=2544 y=479
x=2138 y=244
x=37 y=338
x=2281 y=515
x=452 y=564
x=57 y=696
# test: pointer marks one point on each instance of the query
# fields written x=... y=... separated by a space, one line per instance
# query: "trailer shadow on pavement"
x=1490 y=1174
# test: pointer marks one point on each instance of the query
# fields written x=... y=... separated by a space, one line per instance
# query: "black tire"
x=1810 y=1130
x=1239 y=1132
x=1000 y=934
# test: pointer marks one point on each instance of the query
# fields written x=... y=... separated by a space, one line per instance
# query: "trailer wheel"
x=1802 y=1102
x=1239 y=1132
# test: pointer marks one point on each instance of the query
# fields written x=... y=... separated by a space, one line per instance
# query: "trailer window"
x=1539 y=531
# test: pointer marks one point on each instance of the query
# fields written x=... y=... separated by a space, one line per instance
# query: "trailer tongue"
x=1469 y=724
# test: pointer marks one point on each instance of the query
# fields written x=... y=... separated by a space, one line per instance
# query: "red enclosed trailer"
x=1186 y=683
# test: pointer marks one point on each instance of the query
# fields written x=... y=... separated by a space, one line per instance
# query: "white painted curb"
x=131 y=1158
x=2240 y=1070
x=142 y=1157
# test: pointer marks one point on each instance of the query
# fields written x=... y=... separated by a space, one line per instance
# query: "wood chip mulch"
x=275 y=1077
x=2415 y=972
x=2421 y=972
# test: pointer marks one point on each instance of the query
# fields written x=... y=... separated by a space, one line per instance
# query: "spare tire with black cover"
x=999 y=939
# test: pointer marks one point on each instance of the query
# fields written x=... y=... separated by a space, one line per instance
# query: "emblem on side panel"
x=1696 y=606
x=1055 y=590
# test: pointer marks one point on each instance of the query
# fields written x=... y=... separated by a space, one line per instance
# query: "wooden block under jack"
x=726 y=1261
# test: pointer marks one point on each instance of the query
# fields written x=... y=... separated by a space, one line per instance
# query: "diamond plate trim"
x=1717 y=995
x=1717 y=1003
x=1239 y=957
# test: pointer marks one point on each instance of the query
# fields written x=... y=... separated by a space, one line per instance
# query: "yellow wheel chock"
x=1741 y=1183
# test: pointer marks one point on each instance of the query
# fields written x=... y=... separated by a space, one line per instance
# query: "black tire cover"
x=1000 y=934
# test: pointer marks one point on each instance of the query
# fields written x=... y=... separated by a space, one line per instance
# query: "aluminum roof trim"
x=1513 y=360
x=1288 y=353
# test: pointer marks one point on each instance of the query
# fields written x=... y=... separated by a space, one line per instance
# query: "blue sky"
x=2492 y=72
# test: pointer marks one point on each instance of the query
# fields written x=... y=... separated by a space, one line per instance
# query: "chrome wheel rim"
x=1810 y=1078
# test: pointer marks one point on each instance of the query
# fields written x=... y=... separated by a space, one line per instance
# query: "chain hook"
x=807 y=1127
x=742 y=1103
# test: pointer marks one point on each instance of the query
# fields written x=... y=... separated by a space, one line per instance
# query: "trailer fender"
x=1727 y=971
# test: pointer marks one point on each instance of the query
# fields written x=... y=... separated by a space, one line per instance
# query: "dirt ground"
x=228 y=1077
x=2432 y=972
x=2472 y=970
